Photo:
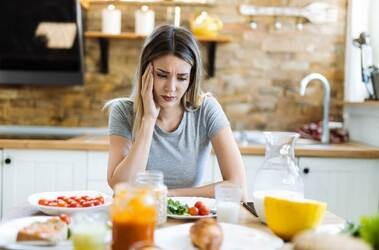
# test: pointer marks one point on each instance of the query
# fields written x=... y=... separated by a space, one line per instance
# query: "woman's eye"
x=161 y=76
x=182 y=79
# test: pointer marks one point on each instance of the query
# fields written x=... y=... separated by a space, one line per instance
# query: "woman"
x=169 y=124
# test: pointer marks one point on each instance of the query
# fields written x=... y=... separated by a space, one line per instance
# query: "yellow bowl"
x=205 y=25
x=287 y=217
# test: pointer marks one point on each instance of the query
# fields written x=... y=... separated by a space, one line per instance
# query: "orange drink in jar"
x=133 y=214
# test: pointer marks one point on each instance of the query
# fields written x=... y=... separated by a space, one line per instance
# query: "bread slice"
x=53 y=230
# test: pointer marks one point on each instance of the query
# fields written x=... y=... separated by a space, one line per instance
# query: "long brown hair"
x=168 y=39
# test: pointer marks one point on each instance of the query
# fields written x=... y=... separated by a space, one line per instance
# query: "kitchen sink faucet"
x=326 y=87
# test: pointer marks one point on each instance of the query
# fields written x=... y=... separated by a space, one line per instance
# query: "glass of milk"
x=228 y=197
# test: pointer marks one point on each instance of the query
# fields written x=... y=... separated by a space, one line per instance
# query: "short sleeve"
x=215 y=117
x=121 y=118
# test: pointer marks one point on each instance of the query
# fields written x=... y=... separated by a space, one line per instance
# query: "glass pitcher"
x=279 y=174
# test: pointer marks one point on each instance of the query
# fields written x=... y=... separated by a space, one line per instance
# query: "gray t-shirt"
x=181 y=155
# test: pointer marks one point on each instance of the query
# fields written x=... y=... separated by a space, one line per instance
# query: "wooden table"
x=246 y=219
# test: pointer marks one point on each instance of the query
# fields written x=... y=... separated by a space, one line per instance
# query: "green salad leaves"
x=175 y=207
x=368 y=230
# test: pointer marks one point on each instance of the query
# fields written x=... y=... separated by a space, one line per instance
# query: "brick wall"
x=257 y=75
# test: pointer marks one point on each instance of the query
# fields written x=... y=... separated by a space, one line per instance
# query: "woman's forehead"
x=170 y=63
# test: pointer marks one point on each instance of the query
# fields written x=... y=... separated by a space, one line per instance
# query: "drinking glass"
x=228 y=197
x=89 y=231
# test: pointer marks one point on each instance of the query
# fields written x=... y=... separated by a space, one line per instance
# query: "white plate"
x=190 y=201
x=33 y=200
x=330 y=228
x=235 y=238
x=9 y=230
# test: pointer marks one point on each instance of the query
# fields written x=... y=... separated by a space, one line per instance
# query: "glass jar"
x=154 y=178
x=133 y=213
x=279 y=174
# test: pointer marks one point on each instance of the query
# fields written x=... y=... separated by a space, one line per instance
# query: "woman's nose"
x=171 y=84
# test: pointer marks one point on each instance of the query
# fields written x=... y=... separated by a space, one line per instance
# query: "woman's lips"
x=169 y=98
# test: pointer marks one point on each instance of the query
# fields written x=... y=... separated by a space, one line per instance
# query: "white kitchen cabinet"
x=97 y=164
x=349 y=186
x=30 y=171
x=251 y=163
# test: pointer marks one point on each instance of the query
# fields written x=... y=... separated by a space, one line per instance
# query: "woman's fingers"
x=150 y=82
x=143 y=80
x=150 y=106
x=145 y=76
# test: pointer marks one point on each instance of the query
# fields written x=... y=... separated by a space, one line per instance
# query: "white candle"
x=111 y=20
x=144 y=21
x=177 y=16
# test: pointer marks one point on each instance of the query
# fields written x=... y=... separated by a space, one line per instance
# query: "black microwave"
x=41 y=42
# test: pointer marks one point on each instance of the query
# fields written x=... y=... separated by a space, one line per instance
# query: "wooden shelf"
x=204 y=3
x=370 y=103
x=104 y=46
x=134 y=36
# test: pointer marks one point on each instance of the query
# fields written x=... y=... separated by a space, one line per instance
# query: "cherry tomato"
x=193 y=211
x=204 y=211
x=62 y=203
x=69 y=201
x=96 y=202
x=86 y=204
x=100 y=198
x=72 y=205
x=65 y=218
x=86 y=197
x=52 y=203
x=77 y=199
x=43 y=202
x=73 y=201
x=199 y=204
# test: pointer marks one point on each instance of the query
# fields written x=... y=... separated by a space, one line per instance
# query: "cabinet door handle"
x=306 y=170
x=8 y=161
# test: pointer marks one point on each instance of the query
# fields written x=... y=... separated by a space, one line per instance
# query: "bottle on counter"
x=154 y=179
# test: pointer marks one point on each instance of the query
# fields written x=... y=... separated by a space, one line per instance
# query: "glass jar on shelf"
x=154 y=178
x=279 y=174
